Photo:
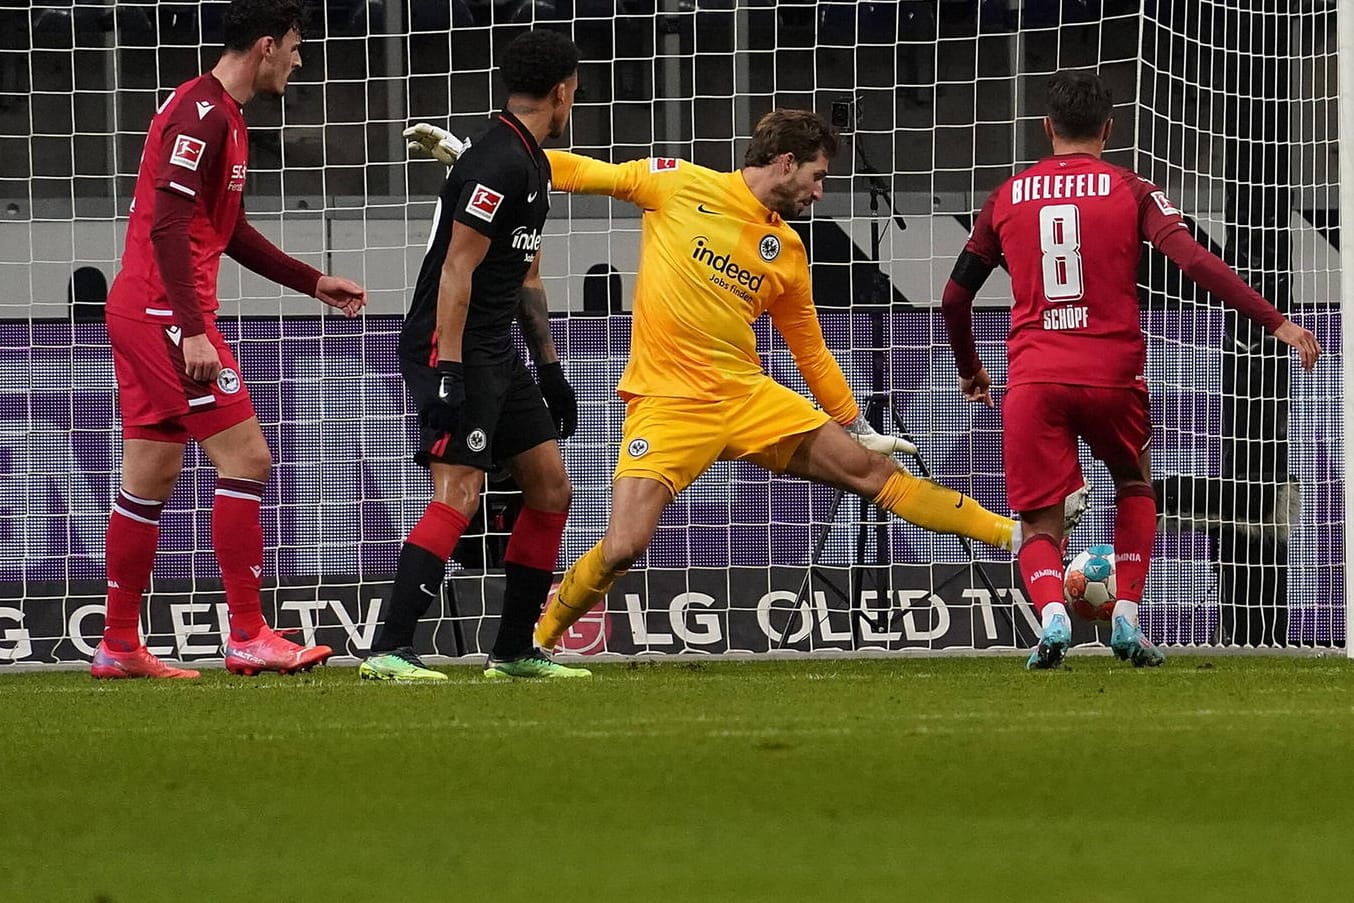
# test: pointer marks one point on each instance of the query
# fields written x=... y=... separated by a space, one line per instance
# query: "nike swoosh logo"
x=960 y=503
x=424 y=588
x=703 y=209
x=531 y=197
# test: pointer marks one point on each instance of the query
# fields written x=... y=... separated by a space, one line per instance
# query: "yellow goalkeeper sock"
x=584 y=585
x=934 y=507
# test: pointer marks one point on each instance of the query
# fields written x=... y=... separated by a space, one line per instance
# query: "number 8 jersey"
x=1071 y=229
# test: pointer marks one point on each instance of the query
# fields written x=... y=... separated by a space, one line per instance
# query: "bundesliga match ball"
x=1089 y=586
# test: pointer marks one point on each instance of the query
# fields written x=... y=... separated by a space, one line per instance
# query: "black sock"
x=418 y=583
x=524 y=593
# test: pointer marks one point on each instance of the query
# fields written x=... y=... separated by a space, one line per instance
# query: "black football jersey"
x=500 y=188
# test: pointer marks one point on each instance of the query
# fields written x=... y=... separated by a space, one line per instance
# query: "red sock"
x=535 y=539
x=1041 y=564
x=1135 y=529
x=439 y=529
x=237 y=537
x=129 y=552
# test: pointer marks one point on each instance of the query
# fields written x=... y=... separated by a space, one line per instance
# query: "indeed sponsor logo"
x=522 y=240
x=725 y=265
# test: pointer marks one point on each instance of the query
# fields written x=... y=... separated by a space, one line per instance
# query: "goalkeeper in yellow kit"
x=715 y=254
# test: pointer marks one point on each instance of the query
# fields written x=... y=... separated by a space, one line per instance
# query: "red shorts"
x=157 y=400
x=1041 y=425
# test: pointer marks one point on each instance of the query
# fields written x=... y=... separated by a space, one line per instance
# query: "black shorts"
x=504 y=414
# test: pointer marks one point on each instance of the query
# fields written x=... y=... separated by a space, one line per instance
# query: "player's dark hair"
x=1079 y=103
x=800 y=132
x=248 y=20
x=537 y=61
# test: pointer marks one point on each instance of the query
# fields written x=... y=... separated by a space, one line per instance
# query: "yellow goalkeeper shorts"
x=674 y=440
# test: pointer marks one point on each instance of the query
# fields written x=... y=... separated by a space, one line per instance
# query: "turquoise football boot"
x=1053 y=645
x=1130 y=644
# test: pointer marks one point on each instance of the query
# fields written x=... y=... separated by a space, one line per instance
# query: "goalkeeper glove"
x=442 y=414
x=434 y=142
x=862 y=432
x=559 y=398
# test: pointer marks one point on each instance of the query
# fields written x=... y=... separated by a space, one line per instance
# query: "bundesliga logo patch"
x=187 y=152
x=662 y=164
x=1164 y=204
x=484 y=203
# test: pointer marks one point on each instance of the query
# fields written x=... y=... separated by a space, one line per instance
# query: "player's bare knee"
x=253 y=462
x=153 y=487
x=868 y=476
x=620 y=551
x=554 y=496
x=464 y=499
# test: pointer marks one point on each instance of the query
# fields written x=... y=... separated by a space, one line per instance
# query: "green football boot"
x=535 y=665
x=401 y=666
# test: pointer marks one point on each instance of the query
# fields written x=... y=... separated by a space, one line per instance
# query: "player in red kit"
x=1070 y=231
x=177 y=378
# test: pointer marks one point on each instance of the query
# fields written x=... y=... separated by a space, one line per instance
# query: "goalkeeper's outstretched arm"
x=796 y=319
x=428 y=140
x=569 y=172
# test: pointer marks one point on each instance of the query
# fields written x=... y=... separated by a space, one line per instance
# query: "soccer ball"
x=1089 y=587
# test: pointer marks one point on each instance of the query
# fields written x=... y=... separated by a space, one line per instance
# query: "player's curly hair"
x=537 y=61
x=248 y=20
x=800 y=132
x=1079 y=103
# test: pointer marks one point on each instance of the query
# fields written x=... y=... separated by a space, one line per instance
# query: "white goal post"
x=1234 y=112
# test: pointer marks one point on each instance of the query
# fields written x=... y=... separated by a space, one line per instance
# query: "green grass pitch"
x=1214 y=778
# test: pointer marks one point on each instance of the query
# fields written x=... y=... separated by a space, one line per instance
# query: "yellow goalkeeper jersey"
x=712 y=260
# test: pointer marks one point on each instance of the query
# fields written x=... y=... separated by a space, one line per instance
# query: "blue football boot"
x=1130 y=644
x=1053 y=645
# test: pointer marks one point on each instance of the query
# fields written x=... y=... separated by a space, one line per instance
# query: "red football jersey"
x=1071 y=229
x=197 y=146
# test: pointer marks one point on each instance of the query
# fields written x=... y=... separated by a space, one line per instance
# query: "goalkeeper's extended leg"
x=637 y=502
x=583 y=587
x=943 y=510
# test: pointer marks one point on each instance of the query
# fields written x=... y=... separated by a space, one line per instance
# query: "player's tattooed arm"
x=533 y=315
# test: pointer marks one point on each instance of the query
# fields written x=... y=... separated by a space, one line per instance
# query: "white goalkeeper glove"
x=865 y=434
x=429 y=140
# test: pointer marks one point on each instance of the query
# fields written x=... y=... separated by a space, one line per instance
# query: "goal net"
x=1231 y=108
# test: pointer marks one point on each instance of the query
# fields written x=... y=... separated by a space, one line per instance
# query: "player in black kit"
x=478 y=404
